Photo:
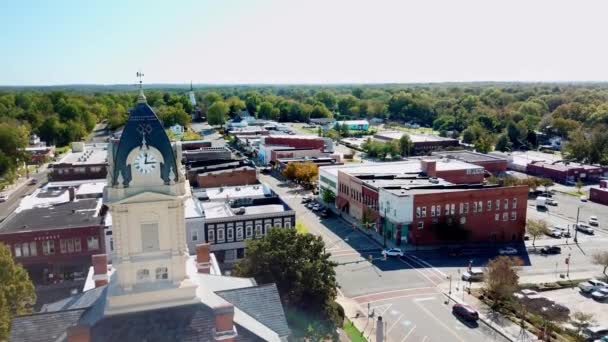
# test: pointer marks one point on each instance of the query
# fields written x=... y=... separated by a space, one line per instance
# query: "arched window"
x=162 y=273
x=143 y=275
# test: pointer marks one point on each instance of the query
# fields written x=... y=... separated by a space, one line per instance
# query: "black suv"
x=551 y=250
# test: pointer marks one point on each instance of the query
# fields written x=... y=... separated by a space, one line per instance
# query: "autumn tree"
x=17 y=294
x=601 y=258
x=536 y=228
x=501 y=279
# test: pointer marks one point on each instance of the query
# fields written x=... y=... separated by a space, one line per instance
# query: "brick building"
x=243 y=175
x=566 y=172
x=206 y=153
x=84 y=161
x=422 y=143
x=295 y=141
x=599 y=194
x=54 y=234
x=277 y=154
x=493 y=164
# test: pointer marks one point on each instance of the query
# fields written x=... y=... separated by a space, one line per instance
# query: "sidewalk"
x=364 y=324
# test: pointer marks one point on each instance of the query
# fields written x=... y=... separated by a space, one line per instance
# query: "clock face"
x=145 y=162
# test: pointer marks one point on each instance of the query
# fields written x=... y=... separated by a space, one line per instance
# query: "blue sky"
x=314 y=41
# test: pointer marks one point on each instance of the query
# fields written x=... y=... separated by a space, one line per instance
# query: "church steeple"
x=141 y=98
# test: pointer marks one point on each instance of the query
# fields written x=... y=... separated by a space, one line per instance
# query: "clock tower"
x=145 y=193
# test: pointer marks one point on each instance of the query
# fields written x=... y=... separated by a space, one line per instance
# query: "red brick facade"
x=599 y=195
x=227 y=178
x=70 y=255
x=295 y=142
x=456 y=176
x=503 y=223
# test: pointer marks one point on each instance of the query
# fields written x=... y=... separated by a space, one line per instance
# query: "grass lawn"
x=422 y=130
x=301 y=228
x=576 y=193
x=352 y=332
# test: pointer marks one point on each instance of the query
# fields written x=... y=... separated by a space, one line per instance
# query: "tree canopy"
x=17 y=294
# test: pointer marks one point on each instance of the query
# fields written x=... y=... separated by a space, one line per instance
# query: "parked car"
x=593 y=333
x=555 y=232
x=324 y=213
x=583 y=199
x=582 y=227
x=591 y=285
x=524 y=294
x=3 y=198
x=550 y=250
x=465 y=312
x=316 y=207
x=33 y=181
x=507 y=251
x=394 y=252
x=475 y=274
x=310 y=205
x=551 y=201
x=600 y=295
x=306 y=200
x=593 y=221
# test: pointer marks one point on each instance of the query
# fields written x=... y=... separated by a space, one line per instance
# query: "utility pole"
x=578 y=211
x=568 y=266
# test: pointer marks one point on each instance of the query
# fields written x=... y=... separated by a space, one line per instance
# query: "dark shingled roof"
x=80 y=301
x=262 y=303
x=44 y=326
x=79 y=213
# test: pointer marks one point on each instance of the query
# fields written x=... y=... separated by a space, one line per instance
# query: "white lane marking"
x=424 y=339
x=417 y=270
x=393 y=325
x=424 y=299
x=425 y=268
x=391 y=298
x=431 y=266
x=408 y=334
x=406 y=323
x=394 y=312
x=430 y=314
x=391 y=291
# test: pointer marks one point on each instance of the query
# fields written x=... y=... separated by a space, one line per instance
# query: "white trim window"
x=505 y=216
x=474 y=207
x=461 y=208
x=496 y=217
x=210 y=236
x=230 y=234
x=514 y=203
x=143 y=275
x=423 y=211
x=480 y=206
x=220 y=235
x=92 y=243
x=48 y=247
x=489 y=205
x=497 y=205
x=466 y=208
x=447 y=209
x=162 y=273
x=418 y=212
x=258 y=230
x=432 y=211
x=420 y=225
x=277 y=224
x=287 y=224
x=249 y=232
x=239 y=233
x=194 y=235
x=506 y=204
x=513 y=216
x=452 y=208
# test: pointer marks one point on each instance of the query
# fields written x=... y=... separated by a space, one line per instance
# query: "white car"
x=593 y=221
x=591 y=285
x=582 y=227
x=583 y=199
x=555 y=232
x=3 y=198
x=507 y=251
x=394 y=252
x=600 y=294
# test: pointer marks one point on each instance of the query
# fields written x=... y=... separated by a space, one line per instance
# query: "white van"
x=475 y=274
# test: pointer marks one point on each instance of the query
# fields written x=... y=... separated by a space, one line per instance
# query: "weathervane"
x=141 y=98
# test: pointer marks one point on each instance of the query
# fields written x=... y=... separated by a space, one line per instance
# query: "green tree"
x=405 y=145
x=235 y=104
x=174 y=114
x=484 y=142
x=328 y=196
x=265 y=110
x=298 y=265
x=577 y=147
x=216 y=114
x=502 y=143
x=17 y=294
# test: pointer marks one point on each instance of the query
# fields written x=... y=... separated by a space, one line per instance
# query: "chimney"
x=379 y=330
x=224 y=323
x=72 y=193
x=203 y=260
x=429 y=167
x=100 y=269
x=79 y=333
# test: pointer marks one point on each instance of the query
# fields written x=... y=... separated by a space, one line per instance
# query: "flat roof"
x=213 y=210
x=192 y=208
x=354 y=122
x=436 y=188
x=414 y=137
x=78 y=213
x=93 y=154
x=296 y=137
x=468 y=156
x=232 y=192
x=411 y=182
x=410 y=166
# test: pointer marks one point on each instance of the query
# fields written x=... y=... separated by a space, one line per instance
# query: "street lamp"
x=578 y=212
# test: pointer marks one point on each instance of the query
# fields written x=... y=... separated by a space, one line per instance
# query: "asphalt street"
x=15 y=196
x=404 y=290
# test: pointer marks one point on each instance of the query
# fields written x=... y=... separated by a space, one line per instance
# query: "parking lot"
x=575 y=300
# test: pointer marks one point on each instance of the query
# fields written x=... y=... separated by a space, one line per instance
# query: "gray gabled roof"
x=262 y=303
x=80 y=301
x=44 y=327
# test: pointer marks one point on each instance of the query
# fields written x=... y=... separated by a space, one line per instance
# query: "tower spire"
x=141 y=98
x=191 y=86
